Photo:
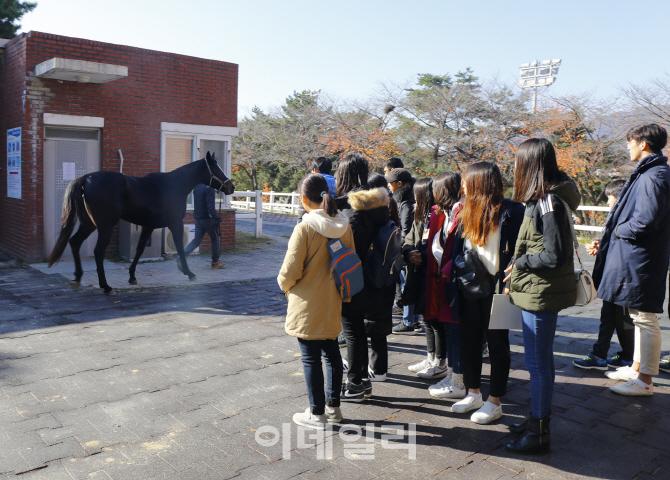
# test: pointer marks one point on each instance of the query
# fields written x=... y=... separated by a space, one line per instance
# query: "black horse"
x=156 y=200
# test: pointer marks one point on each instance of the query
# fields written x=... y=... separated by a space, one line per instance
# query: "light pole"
x=538 y=74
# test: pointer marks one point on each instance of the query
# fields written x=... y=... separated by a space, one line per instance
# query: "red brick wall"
x=160 y=87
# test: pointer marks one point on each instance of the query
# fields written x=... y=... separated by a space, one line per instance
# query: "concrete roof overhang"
x=80 y=71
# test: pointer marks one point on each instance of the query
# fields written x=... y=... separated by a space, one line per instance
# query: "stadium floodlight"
x=538 y=74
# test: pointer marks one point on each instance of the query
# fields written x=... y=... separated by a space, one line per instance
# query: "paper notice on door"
x=68 y=171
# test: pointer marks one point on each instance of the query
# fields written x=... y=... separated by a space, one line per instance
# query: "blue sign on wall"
x=14 y=163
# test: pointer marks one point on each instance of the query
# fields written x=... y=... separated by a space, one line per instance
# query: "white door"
x=68 y=152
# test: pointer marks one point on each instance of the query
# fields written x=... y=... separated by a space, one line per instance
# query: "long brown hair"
x=536 y=169
x=447 y=190
x=423 y=196
x=483 y=202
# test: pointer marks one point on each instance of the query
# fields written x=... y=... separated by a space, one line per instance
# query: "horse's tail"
x=72 y=202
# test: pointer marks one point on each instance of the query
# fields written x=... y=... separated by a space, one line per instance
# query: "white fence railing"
x=290 y=202
x=256 y=205
x=591 y=208
x=278 y=202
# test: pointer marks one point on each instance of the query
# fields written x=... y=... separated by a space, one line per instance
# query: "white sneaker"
x=333 y=414
x=487 y=414
x=633 y=388
x=622 y=373
x=434 y=371
x=468 y=404
x=345 y=366
x=442 y=384
x=455 y=389
x=422 y=365
x=374 y=377
x=306 y=419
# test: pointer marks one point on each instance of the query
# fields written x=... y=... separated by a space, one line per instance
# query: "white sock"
x=476 y=396
x=642 y=384
x=493 y=404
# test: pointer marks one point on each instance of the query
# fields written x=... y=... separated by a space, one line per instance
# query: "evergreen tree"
x=11 y=12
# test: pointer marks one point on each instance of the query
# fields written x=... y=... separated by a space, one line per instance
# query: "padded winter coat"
x=366 y=211
x=543 y=278
x=314 y=303
x=632 y=261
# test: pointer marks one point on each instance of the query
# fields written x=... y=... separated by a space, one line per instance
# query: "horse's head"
x=217 y=179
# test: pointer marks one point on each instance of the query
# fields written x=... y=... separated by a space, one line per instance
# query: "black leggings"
x=475 y=316
x=436 y=338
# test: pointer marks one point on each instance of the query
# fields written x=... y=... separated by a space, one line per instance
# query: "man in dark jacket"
x=206 y=221
x=633 y=252
x=401 y=184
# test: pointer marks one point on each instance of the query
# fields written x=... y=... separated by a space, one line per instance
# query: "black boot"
x=534 y=440
x=519 y=428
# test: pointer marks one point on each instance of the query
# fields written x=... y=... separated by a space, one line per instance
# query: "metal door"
x=68 y=153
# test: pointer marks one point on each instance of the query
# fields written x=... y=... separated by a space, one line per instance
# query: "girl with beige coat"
x=314 y=302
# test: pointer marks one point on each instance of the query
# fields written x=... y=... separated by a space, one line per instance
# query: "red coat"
x=436 y=284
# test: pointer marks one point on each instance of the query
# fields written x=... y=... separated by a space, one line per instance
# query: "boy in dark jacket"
x=612 y=317
x=633 y=252
x=401 y=184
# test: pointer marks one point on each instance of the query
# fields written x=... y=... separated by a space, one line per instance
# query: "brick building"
x=71 y=106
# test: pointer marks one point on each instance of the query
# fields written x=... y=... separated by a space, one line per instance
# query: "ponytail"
x=315 y=188
x=328 y=204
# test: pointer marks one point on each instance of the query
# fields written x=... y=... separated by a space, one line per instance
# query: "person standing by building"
x=633 y=251
x=206 y=222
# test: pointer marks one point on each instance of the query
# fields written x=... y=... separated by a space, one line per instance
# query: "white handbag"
x=586 y=289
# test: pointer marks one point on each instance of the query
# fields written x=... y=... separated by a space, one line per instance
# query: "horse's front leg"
x=177 y=236
x=144 y=237
x=83 y=232
x=104 y=235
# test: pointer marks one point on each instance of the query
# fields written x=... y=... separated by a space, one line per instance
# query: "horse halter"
x=212 y=178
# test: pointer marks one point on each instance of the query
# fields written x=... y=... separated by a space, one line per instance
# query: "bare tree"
x=649 y=102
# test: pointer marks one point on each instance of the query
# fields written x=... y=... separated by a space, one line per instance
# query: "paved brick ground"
x=179 y=382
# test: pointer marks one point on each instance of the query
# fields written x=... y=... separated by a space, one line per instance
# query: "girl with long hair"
x=414 y=252
x=440 y=311
x=367 y=209
x=542 y=277
x=314 y=303
x=489 y=225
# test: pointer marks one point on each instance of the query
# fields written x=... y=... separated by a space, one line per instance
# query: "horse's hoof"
x=133 y=281
x=75 y=285
x=110 y=292
x=193 y=278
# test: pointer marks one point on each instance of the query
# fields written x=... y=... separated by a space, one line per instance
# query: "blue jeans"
x=539 y=329
x=311 y=363
x=408 y=317
x=453 y=331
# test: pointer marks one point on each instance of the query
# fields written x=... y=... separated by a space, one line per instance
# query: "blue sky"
x=346 y=48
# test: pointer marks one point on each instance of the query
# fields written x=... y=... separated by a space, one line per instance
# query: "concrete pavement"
x=199 y=381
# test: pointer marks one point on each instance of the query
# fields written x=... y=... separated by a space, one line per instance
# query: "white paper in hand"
x=504 y=315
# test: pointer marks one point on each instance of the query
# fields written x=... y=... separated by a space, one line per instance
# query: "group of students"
x=524 y=244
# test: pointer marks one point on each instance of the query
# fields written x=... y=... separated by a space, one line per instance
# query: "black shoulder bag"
x=473 y=279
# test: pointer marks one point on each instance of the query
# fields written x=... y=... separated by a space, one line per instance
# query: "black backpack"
x=383 y=261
